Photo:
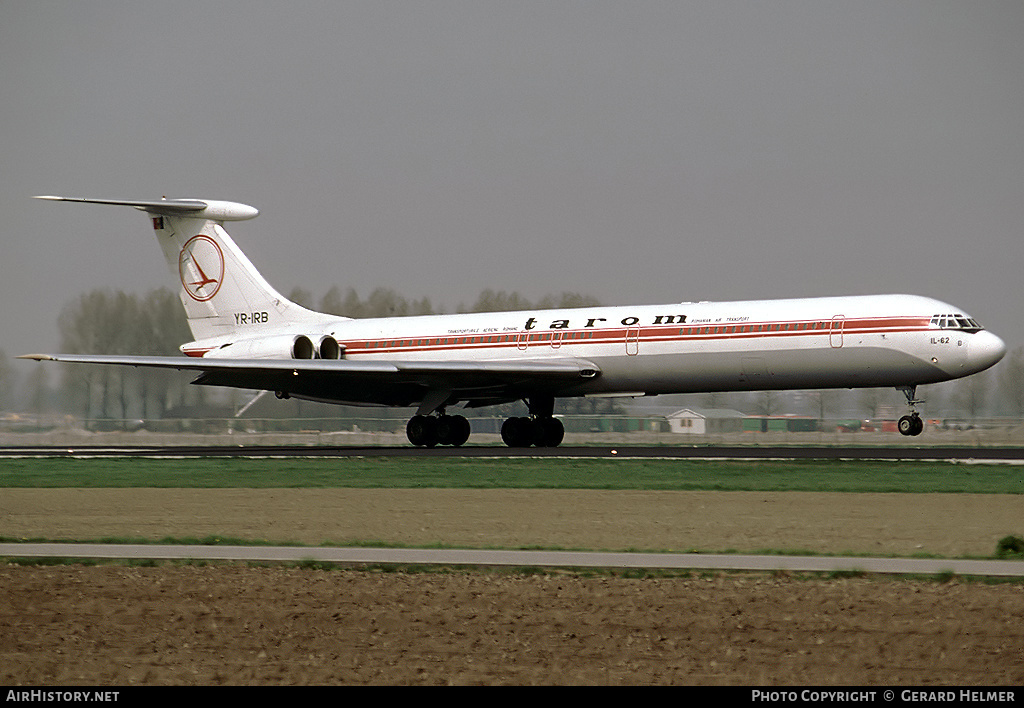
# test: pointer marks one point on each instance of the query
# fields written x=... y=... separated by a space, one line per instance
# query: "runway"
x=531 y=559
x=1005 y=454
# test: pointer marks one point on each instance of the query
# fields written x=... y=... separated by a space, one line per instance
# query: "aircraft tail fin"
x=221 y=290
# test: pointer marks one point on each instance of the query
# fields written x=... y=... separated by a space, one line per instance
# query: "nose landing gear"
x=910 y=424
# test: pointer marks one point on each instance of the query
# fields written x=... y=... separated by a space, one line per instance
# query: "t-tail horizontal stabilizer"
x=193 y=208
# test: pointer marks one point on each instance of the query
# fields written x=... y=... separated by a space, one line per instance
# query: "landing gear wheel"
x=452 y=430
x=517 y=432
x=422 y=431
x=910 y=425
x=445 y=430
x=549 y=431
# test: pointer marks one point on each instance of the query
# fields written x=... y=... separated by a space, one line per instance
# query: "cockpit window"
x=956 y=321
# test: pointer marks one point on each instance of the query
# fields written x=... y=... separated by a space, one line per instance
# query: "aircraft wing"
x=386 y=382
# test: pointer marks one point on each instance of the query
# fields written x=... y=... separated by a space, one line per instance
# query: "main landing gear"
x=910 y=424
x=430 y=430
x=539 y=431
x=540 y=428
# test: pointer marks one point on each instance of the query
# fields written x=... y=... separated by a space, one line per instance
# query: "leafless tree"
x=1011 y=380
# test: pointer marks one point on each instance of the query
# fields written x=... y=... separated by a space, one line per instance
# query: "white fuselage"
x=832 y=342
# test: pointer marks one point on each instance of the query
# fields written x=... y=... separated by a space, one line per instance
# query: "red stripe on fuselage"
x=660 y=333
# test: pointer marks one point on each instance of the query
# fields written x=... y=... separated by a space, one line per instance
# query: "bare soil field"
x=234 y=624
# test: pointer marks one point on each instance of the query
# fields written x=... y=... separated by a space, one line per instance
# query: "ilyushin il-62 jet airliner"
x=247 y=335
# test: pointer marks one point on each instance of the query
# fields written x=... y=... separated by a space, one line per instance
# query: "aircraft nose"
x=985 y=350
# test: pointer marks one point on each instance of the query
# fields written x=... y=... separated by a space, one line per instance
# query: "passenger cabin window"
x=956 y=321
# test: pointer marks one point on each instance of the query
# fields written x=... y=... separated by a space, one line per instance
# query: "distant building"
x=690 y=421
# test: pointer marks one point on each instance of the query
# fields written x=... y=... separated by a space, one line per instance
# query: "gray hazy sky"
x=640 y=152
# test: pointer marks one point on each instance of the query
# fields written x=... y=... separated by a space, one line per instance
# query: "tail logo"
x=201 y=267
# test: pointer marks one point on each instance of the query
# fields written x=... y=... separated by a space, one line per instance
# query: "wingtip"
x=36 y=357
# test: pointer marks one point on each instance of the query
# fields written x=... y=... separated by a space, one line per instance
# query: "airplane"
x=249 y=336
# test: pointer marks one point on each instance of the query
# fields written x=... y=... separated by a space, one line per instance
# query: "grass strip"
x=864 y=476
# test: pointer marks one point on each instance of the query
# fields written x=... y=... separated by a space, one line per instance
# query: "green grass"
x=517 y=473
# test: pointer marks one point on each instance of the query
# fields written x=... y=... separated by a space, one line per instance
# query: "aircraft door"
x=835 y=334
x=632 y=341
